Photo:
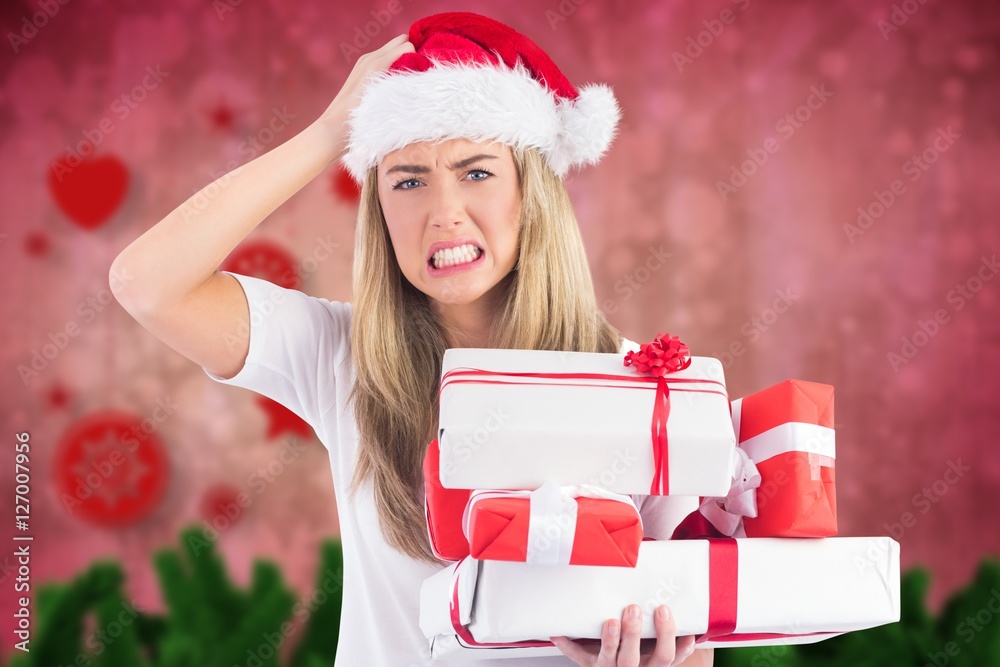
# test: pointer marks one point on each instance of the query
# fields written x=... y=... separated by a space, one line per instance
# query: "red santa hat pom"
x=475 y=78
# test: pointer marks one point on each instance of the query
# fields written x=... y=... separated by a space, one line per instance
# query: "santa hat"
x=475 y=78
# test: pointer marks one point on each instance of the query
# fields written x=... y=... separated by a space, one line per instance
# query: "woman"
x=466 y=238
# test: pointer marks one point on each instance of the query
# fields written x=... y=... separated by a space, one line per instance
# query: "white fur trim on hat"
x=479 y=102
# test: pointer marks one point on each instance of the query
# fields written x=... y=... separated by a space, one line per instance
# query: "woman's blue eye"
x=398 y=185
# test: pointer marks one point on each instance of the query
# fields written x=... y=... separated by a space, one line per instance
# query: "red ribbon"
x=661 y=403
x=723 y=580
x=661 y=460
x=463 y=632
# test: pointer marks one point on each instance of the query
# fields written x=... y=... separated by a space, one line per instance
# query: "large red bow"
x=666 y=354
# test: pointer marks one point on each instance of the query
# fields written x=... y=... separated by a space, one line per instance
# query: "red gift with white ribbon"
x=553 y=525
x=783 y=476
x=787 y=430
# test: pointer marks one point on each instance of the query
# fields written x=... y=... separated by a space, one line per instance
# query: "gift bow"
x=551 y=518
x=726 y=513
x=664 y=355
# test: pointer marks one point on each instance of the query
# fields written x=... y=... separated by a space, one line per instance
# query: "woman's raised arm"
x=168 y=278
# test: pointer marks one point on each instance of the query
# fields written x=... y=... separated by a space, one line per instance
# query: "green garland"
x=212 y=623
x=209 y=621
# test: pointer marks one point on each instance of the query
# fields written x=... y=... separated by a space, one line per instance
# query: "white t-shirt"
x=300 y=357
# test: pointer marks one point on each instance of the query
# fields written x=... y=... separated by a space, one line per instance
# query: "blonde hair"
x=397 y=341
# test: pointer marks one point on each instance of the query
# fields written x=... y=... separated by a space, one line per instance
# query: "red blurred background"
x=804 y=190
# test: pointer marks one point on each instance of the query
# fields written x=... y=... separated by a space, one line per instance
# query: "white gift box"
x=503 y=427
x=776 y=590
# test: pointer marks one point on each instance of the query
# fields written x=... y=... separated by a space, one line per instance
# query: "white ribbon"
x=551 y=518
x=551 y=525
x=726 y=514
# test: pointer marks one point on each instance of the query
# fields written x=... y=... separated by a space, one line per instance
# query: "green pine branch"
x=209 y=622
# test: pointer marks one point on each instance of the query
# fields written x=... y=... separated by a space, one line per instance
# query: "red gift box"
x=444 y=509
x=575 y=525
x=787 y=433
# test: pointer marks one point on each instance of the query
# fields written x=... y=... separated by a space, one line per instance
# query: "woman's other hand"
x=350 y=94
x=621 y=645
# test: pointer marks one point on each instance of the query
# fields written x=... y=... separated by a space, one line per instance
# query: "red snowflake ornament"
x=266 y=260
x=111 y=468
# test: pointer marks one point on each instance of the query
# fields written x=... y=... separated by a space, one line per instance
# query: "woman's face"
x=455 y=194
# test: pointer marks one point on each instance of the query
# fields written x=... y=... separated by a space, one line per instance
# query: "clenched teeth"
x=453 y=256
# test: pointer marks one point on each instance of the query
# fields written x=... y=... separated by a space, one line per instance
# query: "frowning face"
x=453 y=212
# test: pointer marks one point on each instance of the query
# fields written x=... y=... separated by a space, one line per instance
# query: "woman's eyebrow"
x=421 y=169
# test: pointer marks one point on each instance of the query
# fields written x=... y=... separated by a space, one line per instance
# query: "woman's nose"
x=447 y=208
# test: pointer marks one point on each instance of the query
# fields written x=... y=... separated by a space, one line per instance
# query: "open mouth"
x=455 y=257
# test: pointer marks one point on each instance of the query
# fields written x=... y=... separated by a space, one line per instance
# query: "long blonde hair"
x=397 y=341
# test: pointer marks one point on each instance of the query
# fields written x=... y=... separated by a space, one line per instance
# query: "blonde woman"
x=465 y=238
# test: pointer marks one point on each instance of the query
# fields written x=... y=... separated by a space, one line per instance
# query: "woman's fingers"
x=664 y=653
x=573 y=651
x=620 y=645
x=628 y=651
x=685 y=647
x=610 y=637
x=586 y=656
x=403 y=39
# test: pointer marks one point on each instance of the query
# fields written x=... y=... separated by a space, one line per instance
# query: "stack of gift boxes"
x=529 y=491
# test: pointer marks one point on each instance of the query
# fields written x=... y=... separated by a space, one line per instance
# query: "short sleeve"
x=297 y=344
